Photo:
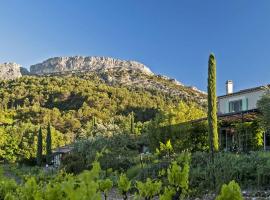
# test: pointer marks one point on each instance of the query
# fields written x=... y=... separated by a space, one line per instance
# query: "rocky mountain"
x=111 y=71
x=80 y=63
x=118 y=72
x=10 y=71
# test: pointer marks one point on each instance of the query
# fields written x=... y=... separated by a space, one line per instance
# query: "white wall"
x=253 y=97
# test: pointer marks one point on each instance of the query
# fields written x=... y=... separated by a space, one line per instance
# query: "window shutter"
x=244 y=104
x=227 y=110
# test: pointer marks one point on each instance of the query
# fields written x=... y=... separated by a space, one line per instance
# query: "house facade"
x=242 y=100
x=239 y=108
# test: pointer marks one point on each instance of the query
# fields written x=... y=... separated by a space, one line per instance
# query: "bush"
x=134 y=171
x=73 y=163
x=105 y=186
x=149 y=189
x=119 y=151
x=124 y=185
x=231 y=191
x=249 y=170
x=7 y=186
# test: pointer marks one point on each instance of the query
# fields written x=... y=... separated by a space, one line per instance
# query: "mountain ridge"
x=85 y=63
x=112 y=71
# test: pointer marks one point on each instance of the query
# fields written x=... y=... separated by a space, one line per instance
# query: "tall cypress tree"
x=48 y=144
x=212 y=105
x=94 y=121
x=39 y=147
x=132 y=126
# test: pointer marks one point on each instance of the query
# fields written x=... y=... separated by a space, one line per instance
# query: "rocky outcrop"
x=24 y=71
x=117 y=72
x=80 y=63
x=111 y=71
x=9 y=71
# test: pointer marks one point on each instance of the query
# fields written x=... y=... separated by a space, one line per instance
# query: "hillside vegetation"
x=80 y=106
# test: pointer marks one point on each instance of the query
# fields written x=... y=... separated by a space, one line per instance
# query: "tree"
x=132 y=126
x=264 y=107
x=48 y=144
x=212 y=104
x=212 y=112
x=39 y=147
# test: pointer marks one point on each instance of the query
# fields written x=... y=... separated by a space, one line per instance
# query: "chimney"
x=229 y=87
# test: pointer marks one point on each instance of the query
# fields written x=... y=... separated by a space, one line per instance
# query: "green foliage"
x=212 y=104
x=49 y=144
x=264 y=106
x=124 y=185
x=178 y=174
x=105 y=186
x=20 y=141
x=178 y=178
x=39 y=147
x=249 y=170
x=165 y=149
x=149 y=189
x=250 y=136
x=168 y=194
x=173 y=124
x=132 y=126
x=231 y=191
x=73 y=163
x=30 y=190
x=7 y=186
x=133 y=171
x=120 y=153
x=72 y=104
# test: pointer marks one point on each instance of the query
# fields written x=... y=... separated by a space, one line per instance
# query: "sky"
x=171 y=37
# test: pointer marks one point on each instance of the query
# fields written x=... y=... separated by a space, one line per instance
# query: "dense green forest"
x=82 y=107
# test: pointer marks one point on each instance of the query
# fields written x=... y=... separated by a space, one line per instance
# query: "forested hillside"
x=79 y=106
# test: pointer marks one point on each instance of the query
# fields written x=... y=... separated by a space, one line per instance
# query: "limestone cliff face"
x=117 y=72
x=80 y=63
x=111 y=71
x=9 y=71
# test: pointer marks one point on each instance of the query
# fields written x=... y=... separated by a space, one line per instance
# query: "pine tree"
x=48 y=144
x=212 y=105
x=132 y=126
x=39 y=147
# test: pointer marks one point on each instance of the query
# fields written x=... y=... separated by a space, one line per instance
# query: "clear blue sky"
x=172 y=37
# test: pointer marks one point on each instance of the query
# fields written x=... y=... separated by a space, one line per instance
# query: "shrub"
x=7 y=186
x=73 y=163
x=124 y=185
x=105 y=186
x=149 y=189
x=134 y=171
x=249 y=170
x=231 y=191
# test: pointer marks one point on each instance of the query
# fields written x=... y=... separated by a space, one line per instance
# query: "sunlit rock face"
x=10 y=71
x=117 y=72
x=92 y=63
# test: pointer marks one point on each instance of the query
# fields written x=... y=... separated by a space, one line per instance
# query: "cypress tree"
x=212 y=104
x=39 y=147
x=94 y=121
x=132 y=126
x=48 y=144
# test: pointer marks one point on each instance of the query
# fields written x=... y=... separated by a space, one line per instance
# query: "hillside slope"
x=117 y=72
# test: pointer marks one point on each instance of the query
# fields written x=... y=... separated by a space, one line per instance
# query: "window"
x=235 y=106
